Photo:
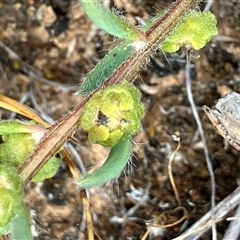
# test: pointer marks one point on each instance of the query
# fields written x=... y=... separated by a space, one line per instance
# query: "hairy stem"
x=52 y=141
x=155 y=36
x=62 y=130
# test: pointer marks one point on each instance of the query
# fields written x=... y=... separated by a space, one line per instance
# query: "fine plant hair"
x=118 y=12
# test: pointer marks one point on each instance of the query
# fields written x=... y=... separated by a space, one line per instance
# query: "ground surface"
x=56 y=41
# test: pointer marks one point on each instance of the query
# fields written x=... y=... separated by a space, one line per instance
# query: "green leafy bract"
x=194 y=32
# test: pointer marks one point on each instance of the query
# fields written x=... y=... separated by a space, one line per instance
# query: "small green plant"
x=193 y=32
x=111 y=112
x=109 y=118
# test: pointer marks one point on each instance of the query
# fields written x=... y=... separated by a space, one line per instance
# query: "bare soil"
x=54 y=40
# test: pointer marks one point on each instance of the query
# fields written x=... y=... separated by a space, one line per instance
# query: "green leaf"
x=10 y=180
x=48 y=170
x=107 y=67
x=112 y=168
x=110 y=22
x=21 y=224
x=11 y=195
x=7 y=209
x=10 y=127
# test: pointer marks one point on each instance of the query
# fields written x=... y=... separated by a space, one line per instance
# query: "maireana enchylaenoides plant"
x=193 y=33
x=111 y=114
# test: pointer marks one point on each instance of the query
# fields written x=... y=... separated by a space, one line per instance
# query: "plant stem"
x=155 y=36
x=52 y=141
x=62 y=130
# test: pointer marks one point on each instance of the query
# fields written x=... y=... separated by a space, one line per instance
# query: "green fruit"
x=20 y=139
x=113 y=115
x=194 y=32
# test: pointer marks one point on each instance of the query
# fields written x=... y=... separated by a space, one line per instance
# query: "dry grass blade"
x=14 y=106
x=83 y=196
x=220 y=211
x=170 y=171
x=205 y=148
x=233 y=231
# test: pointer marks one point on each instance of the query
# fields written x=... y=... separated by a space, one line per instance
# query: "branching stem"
x=58 y=134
